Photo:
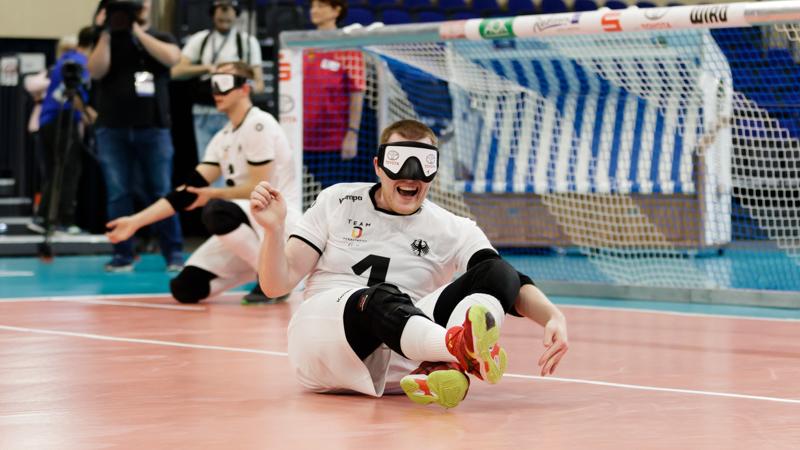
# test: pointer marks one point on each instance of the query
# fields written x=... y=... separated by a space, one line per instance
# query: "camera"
x=120 y=14
x=72 y=75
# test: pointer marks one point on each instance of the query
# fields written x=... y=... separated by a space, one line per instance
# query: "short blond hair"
x=239 y=68
x=410 y=129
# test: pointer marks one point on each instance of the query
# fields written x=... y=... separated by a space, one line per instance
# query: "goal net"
x=637 y=143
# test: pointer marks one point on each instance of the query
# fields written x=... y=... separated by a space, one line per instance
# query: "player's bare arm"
x=256 y=173
x=181 y=198
x=281 y=264
x=533 y=304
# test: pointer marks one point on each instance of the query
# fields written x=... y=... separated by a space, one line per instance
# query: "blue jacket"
x=54 y=99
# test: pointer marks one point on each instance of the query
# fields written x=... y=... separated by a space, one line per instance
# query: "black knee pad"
x=221 y=216
x=191 y=285
x=377 y=315
x=494 y=277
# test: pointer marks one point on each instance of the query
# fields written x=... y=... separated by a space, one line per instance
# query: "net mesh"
x=638 y=155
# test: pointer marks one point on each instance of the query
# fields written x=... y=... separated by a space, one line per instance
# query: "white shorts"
x=213 y=256
x=323 y=360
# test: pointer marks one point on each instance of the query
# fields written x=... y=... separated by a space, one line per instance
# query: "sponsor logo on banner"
x=654 y=16
x=610 y=22
x=9 y=72
x=544 y=23
x=655 y=13
x=453 y=30
x=284 y=68
x=700 y=15
x=497 y=28
x=286 y=104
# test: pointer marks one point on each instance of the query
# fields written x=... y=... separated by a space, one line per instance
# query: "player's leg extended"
x=383 y=314
x=480 y=298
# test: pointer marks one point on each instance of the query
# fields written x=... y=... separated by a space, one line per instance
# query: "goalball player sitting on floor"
x=250 y=148
x=380 y=313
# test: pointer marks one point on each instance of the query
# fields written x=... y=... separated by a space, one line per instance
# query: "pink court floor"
x=147 y=373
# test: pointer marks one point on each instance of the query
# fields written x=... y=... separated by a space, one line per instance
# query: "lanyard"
x=215 y=53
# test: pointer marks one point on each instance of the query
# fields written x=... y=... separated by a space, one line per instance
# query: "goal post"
x=640 y=137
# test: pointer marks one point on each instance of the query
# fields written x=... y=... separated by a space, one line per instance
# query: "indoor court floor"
x=91 y=360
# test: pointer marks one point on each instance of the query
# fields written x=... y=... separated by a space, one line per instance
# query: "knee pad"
x=191 y=285
x=494 y=277
x=499 y=279
x=222 y=217
x=378 y=315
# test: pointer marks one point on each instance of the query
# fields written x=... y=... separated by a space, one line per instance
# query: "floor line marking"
x=509 y=375
x=101 y=337
x=655 y=388
x=91 y=301
x=15 y=273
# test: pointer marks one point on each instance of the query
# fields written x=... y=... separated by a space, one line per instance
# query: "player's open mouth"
x=407 y=192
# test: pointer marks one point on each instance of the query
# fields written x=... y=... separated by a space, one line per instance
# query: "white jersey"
x=258 y=140
x=360 y=243
x=222 y=48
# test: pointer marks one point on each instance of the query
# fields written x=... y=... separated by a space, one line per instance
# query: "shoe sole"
x=485 y=334
x=448 y=388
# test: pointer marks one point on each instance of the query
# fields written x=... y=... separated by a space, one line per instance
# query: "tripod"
x=61 y=154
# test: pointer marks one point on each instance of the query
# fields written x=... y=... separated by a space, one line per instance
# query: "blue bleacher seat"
x=520 y=7
x=584 y=5
x=359 y=15
x=417 y=4
x=449 y=5
x=615 y=4
x=552 y=7
x=381 y=4
x=395 y=16
x=486 y=8
x=431 y=16
x=462 y=15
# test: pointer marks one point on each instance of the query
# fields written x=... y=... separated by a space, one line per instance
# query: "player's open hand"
x=121 y=229
x=268 y=206
x=204 y=194
x=555 y=343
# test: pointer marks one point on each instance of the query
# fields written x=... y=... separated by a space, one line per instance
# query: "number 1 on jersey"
x=379 y=266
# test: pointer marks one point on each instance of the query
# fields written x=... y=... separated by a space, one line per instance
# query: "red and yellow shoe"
x=475 y=345
x=436 y=382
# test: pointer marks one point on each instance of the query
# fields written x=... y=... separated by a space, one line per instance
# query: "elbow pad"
x=181 y=199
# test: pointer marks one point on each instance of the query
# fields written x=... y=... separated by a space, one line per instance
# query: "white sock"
x=424 y=340
x=243 y=242
x=492 y=304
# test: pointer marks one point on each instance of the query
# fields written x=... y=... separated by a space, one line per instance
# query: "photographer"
x=63 y=112
x=131 y=63
x=205 y=50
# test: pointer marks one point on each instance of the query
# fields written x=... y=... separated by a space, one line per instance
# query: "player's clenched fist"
x=267 y=206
